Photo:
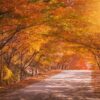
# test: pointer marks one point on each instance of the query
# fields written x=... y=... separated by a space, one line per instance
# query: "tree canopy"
x=38 y=34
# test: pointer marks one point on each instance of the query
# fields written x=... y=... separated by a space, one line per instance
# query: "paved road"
x=68 y=85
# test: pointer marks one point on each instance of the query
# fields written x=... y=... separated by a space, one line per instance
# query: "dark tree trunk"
x=1 y=68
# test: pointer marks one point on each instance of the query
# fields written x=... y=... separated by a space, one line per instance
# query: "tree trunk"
x=98 y=61
x=1 y=68
x=97 y=58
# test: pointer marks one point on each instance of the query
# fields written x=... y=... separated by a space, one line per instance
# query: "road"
x=67 y=85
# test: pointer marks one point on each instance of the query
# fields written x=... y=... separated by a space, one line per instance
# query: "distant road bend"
x=67 y=85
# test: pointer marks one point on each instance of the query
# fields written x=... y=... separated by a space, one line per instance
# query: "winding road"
x=67 y=85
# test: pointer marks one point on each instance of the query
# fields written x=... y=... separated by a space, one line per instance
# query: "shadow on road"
x=95 y=81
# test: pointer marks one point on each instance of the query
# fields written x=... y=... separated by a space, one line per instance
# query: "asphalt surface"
x=67 y=85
